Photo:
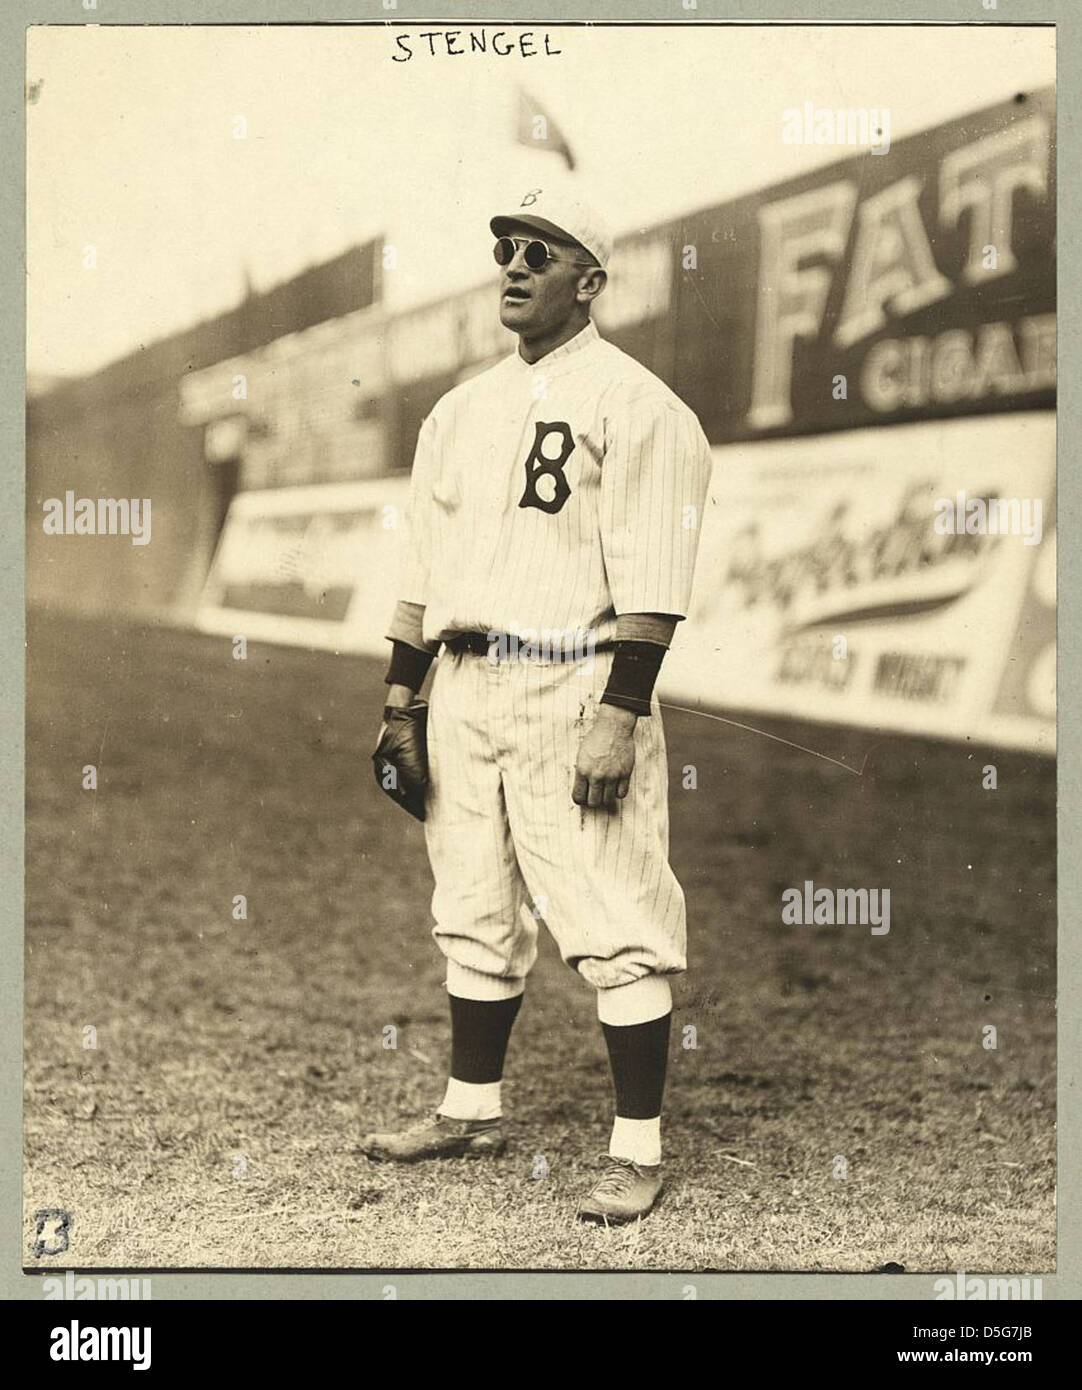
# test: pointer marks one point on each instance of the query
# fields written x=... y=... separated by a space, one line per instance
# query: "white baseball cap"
x=560 y=213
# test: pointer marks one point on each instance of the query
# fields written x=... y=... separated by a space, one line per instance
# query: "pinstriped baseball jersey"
x=554 y=496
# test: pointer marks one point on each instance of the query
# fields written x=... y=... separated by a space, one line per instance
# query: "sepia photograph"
x=541 y=650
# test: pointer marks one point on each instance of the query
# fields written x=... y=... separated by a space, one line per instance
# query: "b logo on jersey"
x=547 y=488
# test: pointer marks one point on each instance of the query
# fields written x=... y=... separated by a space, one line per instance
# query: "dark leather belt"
x=482 y=643
x=477 y=642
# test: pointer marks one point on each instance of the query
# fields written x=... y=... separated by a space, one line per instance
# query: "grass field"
x=237 y=1062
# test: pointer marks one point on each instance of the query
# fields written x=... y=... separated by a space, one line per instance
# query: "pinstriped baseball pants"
x=508 y=846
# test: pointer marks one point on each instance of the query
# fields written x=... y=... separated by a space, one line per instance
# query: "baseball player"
x=553 y=528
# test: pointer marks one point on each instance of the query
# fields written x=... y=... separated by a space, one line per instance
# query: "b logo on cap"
x=531 y=198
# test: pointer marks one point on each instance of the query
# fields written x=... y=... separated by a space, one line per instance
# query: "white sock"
x=639 y=1140
x=467 y=1100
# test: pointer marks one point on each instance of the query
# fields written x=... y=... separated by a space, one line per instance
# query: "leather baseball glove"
x=401 y=756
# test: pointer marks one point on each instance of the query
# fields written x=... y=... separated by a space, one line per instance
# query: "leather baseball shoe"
x=624 y=1191
x=439 y=1137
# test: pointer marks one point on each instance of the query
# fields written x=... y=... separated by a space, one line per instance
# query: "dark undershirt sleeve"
x=642 y=639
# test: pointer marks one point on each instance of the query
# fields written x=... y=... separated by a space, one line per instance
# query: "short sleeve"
x=655 y=476
x=413 y=583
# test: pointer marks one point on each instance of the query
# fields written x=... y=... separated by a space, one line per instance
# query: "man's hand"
x=606 y=758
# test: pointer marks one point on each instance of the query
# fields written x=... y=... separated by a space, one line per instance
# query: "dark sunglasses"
x=536 y=255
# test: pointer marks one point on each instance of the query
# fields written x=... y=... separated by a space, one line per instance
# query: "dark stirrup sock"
x=638 y=1055
x=480 y=1030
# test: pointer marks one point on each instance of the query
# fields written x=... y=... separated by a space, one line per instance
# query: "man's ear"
x=591 y=282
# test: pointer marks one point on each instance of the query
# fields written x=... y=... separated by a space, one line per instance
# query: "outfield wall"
x=122 y=433
x=859 y=344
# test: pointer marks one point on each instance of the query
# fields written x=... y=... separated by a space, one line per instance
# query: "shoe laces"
x=618 y=1176
x=458 y=1126
x=425 y=1123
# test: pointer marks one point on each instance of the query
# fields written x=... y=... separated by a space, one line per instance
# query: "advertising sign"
x=310 y=566
x=902 y=579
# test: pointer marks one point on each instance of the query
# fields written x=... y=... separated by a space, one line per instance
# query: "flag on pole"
x=537 y=129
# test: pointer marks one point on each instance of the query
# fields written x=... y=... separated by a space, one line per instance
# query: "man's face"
x=536 y=303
